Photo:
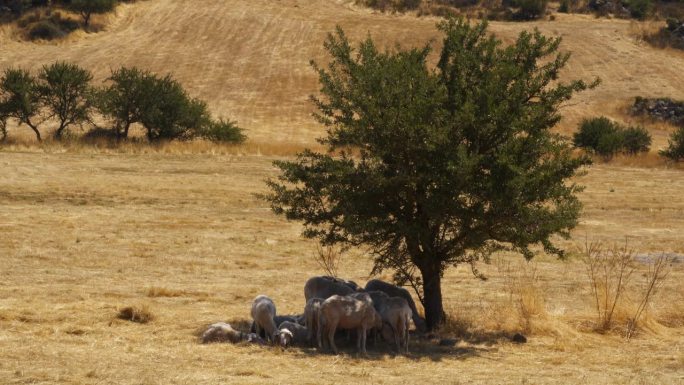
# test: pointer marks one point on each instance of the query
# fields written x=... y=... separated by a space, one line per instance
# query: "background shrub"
x=223 y=131
x=592 y=130
x=675 y=150
x=530 y=9
x=607 y=138
x=636 y=140
x=639 y=9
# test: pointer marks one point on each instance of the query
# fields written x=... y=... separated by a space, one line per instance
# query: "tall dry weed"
x=608 y=271
x=525 y=294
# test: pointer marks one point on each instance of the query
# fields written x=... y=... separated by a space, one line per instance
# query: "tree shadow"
x=430 y=346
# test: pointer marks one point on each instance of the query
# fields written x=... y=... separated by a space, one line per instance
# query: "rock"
x=519 y=338
x=447 y=342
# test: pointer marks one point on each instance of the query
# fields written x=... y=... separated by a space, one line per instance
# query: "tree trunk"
x=432 y=289
x=35 y=129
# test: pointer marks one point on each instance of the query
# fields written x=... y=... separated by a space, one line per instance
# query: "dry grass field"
x=177 y=231
x=84 y=235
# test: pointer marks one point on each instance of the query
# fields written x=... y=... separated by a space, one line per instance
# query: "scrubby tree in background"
x=64 y=90
x=19 y=98
x=223 y=131
x=172 y=113
x=427 y=168
x=607 y=138
x=125 y=98
x=86 y=8
x=675 y=148
x=636 y=140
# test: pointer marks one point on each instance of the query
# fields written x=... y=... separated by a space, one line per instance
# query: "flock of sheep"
x=331 y=304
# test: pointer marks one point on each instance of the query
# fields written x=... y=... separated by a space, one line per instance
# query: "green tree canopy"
x=430 y=168
x=86 y=8
x=19 y=98
x=65 y=91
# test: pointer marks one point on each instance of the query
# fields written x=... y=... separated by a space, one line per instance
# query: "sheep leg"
x=396 y=332
x=406 y=332
x=363 y=340
x=331 y=337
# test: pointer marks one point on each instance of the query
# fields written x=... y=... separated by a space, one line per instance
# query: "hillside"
x=249 y=58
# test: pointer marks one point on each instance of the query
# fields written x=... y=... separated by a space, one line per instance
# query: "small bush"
x=564 y=6
x=530 y=9
x=607 y=138
x=675 y=149
x=46 y=30
x=639 y=9
x=592 y=130
x=636 y=140
x=224 y=131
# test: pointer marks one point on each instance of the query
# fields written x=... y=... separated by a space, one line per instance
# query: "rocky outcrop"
x=665 y=109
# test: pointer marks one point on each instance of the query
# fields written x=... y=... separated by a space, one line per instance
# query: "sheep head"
x=284 y=337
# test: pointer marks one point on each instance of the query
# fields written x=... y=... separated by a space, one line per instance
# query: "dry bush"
x=163 y=292
x=609 y=271
x=328 y=258
x=525 y=295
x=139 y=314
x=658 y=270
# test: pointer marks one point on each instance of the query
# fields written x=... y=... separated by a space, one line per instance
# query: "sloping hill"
x=249 y=58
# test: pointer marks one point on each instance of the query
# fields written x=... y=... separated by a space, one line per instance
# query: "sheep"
x=395 y=291
x=279 y=319
x=263 y=314
x=397 y=313
x=312 y=312
x=224 y=332
x=292 y=333
x=325 y=286
x=221 y=332
x=346 y=312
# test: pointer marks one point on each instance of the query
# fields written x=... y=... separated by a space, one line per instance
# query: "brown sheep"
x=263 y=314
x=396 y=291
x=325 y=286
x=345 y=312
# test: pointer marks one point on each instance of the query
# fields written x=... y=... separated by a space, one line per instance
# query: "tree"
x=428 y=169
x=86 y=8
x=19 y=98
x=125 y=98
x=65 y=92
x=636 y=140
x=172 y=113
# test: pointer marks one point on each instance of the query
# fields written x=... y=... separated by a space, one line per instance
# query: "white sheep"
x=397 y=313
x=345 y=312
x=263 y=314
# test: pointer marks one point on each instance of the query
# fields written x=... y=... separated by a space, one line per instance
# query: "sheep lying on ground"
x=397 y=314
x=324 y=287
x=395 y=291
x=263 y=314
x=345 y=312
x=292 y=333
x=224 y=332
x=312 y=312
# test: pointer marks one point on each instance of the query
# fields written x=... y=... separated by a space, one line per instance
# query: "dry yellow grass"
x=182 y=236
x=175 y=229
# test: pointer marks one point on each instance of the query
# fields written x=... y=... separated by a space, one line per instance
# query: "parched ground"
x=178 y=230
x=84 y=235
x=250 y=58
